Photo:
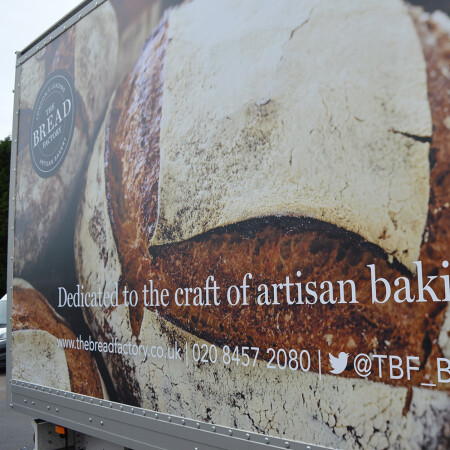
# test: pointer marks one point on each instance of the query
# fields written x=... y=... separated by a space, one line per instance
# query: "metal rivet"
x=266 y=440
x=308 y=447
x=197 y=425
x=18 y=84
x=230 y=432
x=49 y=391
x=79 y=16
x=110 y=405
x=48 y=407
x=169 y=419
x=156 y=416
x=247 y=436
x=91 y=400
x=132 y=410
x=101 y=422
x=57 y=410
x=65 y=27
x=82 y=399
x=25 y=401
x=90 y=419
x=33 y=403
x=11 y=405
x=101 y=403
x=73 y=396
x=121 y=408
x=96 y=3
x=65 y=394
x=183 y=422
x=214 y=429
x=286 y=444
x=144 y=413
x=57 y=392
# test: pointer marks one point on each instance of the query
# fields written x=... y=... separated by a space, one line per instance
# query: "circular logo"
x=52 y=123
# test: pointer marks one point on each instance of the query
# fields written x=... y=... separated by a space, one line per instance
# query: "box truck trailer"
x=229 y=226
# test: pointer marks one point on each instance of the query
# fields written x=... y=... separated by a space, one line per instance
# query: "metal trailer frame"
x=112 y=422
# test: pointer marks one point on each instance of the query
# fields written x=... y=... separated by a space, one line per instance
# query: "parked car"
x=3 y=331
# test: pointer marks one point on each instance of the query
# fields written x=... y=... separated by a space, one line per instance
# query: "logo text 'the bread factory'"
x=52 y=124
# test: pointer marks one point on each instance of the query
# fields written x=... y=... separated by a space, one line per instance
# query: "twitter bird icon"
x=338 y=364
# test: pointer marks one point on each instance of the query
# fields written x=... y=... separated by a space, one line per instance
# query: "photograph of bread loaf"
x=300 y=140
x=43 y=203
x=37 y=327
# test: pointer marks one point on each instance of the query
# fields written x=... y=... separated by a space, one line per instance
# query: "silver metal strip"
x=72 y=18
x=11 y=218
x=135 y=427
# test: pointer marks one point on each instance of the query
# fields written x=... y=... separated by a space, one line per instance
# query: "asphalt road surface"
x=16 y=431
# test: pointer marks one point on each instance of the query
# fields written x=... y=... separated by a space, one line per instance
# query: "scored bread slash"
x=313 y=164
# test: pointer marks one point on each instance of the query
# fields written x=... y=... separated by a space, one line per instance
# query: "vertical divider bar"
x=11 y=223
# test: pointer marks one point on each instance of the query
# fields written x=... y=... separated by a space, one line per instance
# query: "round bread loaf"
x=31 y=311
x=117 y=219
x=41 y=203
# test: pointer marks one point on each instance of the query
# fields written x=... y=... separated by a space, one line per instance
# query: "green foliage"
x=5 y=154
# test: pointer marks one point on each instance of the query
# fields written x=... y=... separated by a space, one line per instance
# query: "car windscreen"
x=2 y=313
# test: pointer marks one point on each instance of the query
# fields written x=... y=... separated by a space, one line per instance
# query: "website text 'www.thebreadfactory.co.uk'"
x=388 y=367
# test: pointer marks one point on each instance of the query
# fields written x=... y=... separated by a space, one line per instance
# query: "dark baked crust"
x=31 y=311
x=272 y=248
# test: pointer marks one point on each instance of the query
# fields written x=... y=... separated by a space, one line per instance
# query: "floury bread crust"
x=260 y=119
x=125 y=172
x=38 y=359
x=117 y=219
x=36 y=328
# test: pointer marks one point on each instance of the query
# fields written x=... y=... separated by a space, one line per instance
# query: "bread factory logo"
x=52 y=123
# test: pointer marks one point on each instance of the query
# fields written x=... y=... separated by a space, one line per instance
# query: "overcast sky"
x=22 y=22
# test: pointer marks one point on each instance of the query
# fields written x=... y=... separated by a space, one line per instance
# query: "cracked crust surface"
x=286 y=116
x=271 y=249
